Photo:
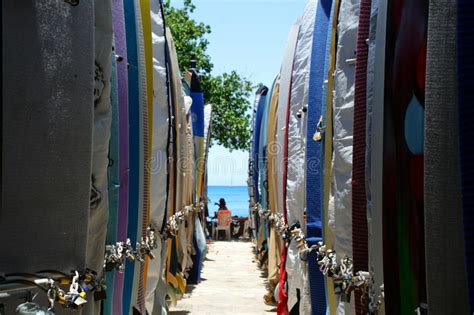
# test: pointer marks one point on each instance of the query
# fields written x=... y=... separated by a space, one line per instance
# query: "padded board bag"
x=446 y=290
x=47 y=130
x=298 y=284
x=48 y=88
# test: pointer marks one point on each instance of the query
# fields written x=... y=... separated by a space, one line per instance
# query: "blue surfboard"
x=262 y=92
x=134 y=128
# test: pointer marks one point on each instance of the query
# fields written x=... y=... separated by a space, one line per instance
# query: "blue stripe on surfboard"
x=262 y=164
x=255 y=150
x=197 y=111
x=134 y=116
x=256 y=144
x=113 y=176
x=465 y=83
x=323 y=112
x=314 y=196
x=197 y=107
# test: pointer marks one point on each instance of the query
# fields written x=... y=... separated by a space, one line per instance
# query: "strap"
x=359 y=196
x=314 y=150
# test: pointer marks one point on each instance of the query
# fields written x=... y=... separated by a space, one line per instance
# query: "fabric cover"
x=340 y=211
x=374 y=153
x=446 y=290
x=159 y=153
x=47 y=129
x=281 y=138
x=296 y=180
x=118 y=20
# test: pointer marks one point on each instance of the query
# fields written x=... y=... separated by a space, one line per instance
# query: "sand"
x=231 y=284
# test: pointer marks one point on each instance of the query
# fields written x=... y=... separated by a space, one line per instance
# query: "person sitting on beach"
x=223 y=210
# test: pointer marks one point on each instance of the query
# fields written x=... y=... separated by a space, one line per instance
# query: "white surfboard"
x=296 y=179
x=340 y=211
x=99 y=212
x=374 y=155
x=159 y=154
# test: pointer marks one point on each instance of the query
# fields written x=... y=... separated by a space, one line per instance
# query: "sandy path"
x=232 y=284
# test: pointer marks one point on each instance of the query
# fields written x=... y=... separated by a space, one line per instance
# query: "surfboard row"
x=360 y=172
x=104 y=141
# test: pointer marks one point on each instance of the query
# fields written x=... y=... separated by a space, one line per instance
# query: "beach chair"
x=224 y=218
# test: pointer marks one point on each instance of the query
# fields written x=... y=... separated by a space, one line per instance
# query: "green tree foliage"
x=228 y=93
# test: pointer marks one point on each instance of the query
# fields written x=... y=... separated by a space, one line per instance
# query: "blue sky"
x=248 y=36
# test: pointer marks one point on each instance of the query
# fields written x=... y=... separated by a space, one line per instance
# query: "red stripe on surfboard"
x=359 y=197
x=283 y=295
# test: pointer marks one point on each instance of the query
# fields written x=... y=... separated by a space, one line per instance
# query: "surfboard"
x=188 y=197
x=251 y=166
x=359 y=196
x=178 y=139
x=261 y=93
x=200 y=233
x=159 y=153
x=314 y=175
x=182 y=142
x=403 y=194
x=340 y=221
x=197 y=115
x=282 y=137
x=464 y=98
x=172 y=153
x=118 y=21
x=145 y=73
x=207 y=143
x=180 y=112
x=113 y=182
x=134 y=146
x=252 y=169
x=374 y=151
x=48 y=106
x=446 y=291
x=99 y=210
x=274 y=240
x=263 y=181
x=327 y=103
x=298 y=293
x=260 y=104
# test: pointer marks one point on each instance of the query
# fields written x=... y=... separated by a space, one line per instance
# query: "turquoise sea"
x=236 y=197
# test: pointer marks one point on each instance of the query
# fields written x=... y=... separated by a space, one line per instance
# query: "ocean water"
x=236 y=198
